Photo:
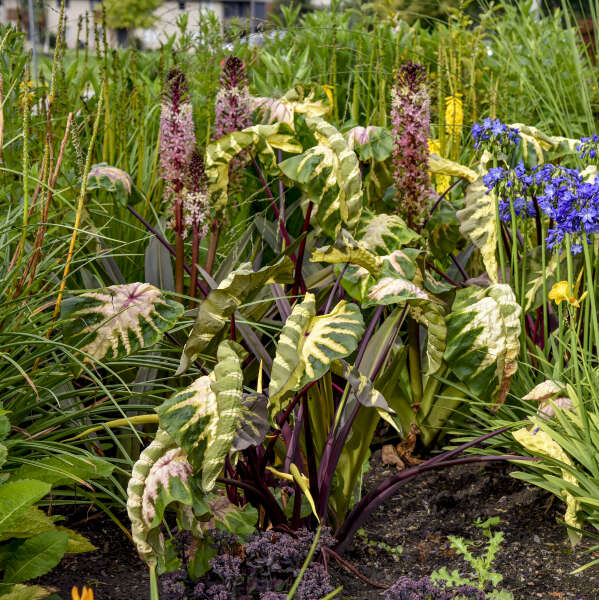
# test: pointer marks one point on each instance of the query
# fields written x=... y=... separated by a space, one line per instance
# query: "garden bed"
x=535 y=558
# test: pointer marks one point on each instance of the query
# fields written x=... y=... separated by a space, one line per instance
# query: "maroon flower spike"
x=177 y=140
x=232 y=105
x=410 y=116
x=196 y=205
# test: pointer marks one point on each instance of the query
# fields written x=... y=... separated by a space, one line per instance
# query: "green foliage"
x=131 y=14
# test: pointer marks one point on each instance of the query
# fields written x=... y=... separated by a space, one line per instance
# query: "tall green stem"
x=591 y=290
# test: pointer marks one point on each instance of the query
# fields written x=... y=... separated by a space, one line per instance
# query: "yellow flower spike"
x=454 y=115
x=328 y=90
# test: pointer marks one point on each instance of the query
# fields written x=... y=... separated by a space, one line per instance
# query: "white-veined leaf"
x=118 y=320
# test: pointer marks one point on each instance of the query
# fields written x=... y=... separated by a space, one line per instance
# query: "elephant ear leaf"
x=261 y=139
x=203 y=419
x=478 y=221
x=118 y=320
x=483 y=340
x=240 y=286
x=347 y=250
x=383 y=234
x=308 y=344
x=430 y=315
x=444 y=166
x=329 y=174
x=160 y=476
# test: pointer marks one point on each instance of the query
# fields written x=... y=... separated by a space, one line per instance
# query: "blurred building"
x=46 y=17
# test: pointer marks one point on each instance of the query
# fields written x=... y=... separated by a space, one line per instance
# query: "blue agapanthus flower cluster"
x=589 y=147
x=572 y=204
x=494 y=133
x=518 y=186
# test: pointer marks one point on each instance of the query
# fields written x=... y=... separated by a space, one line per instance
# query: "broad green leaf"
x=444 y=166
x=190 y=417
x=483 y=339
x=308 y=344
x=61 y=469
x=429 y=314
x=370 y=143
x=35 y=556
x=118 y=320
x=157 y=464
x=16 y=497
x=4 y=424
x=203 y=419
x=3 y=454
x=260 y=139
x=478 y=219
x=227 y=386
x=18 y=591
x=382 y=234
x=347 y=250
x=76 y=543
x=329 y=175
x=30 y=523
x=240 y=286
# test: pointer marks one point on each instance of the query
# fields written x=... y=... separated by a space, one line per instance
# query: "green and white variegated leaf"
x=483 y=339
x=400 y=264
x=370 y=143
x=190 y=417
x=430 y=315
x=118 y=320
x=303 y=99
x=203 y=419
x=329 y=176
x=347 y=250
x=537 y=143
x=228 y=385
x=536 y=275
x=161 y=471
x=378 y=180
x=308 y=344
x=240 y=286
x=262 y=140
x=478 y=219
x=382 y=234
x=444 y=166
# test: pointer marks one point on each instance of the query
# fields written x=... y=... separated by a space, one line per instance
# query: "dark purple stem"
x=459 y=267
x=327 y=308
x=364 y=509
x=438 y=201
x=298 y=280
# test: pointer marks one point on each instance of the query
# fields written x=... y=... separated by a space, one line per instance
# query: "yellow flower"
x=442 y=182
x=454 y=115
x=328 y=90
x=561 y=291
x=86 y=594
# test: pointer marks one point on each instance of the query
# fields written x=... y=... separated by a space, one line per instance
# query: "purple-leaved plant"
x=425 y=589
x=410 y=116
x=177 y=140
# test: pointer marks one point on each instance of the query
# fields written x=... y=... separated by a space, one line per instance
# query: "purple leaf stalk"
x=196 y=211
x=410 y=116
x=177 y=140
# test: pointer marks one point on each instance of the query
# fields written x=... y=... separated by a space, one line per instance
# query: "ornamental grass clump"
x=177 y=141
x=410 y=116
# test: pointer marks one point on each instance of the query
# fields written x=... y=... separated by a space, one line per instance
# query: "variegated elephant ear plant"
x=301 y=357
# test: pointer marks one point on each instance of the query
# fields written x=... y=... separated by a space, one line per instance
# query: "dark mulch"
x=114 y=571
x=536 y=557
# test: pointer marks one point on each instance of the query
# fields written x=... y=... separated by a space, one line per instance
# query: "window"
x=237 y=10
x=260 y=11
x=181 y=4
